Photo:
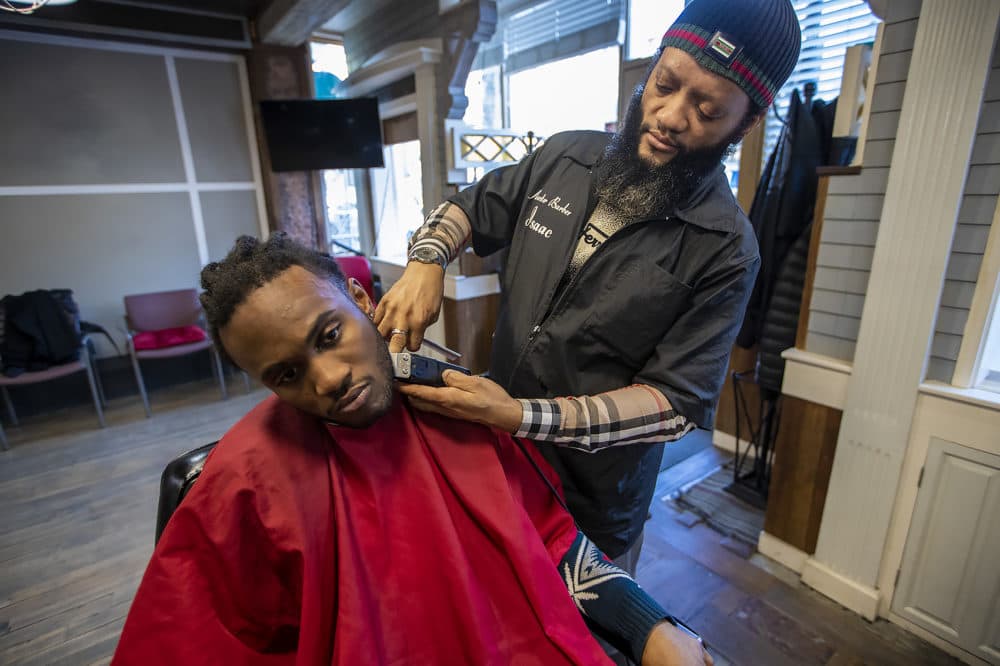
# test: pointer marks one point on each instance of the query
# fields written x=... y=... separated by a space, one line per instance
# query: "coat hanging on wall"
x=785 y=198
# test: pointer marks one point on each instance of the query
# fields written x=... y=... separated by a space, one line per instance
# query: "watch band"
x=684 y=628
x=428 y=255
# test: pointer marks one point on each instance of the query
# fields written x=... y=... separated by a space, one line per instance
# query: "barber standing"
x=629 y=268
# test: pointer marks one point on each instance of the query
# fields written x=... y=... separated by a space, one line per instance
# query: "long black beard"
x=632 y=188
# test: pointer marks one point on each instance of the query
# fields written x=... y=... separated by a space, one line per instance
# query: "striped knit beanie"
x=753 y=43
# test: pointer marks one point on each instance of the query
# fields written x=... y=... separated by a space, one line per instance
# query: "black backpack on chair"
x=40 y=329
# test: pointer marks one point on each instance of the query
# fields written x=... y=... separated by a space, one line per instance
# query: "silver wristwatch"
x=428 y=255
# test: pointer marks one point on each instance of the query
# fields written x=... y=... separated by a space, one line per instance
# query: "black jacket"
x=781 y=321
x=784 y=200
x=659 y=303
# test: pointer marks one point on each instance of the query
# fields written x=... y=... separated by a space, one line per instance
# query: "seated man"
x=335 y=525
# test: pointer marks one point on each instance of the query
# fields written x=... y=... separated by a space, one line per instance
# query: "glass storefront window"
x=397 y=199
x=549 y=98
x=329 y=64
x=647 y=21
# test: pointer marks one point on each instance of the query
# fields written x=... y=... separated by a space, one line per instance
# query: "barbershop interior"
x=678 y=251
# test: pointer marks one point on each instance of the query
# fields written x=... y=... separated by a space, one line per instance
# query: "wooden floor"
x=77 y=512
x=77 y=515
x=750 y=609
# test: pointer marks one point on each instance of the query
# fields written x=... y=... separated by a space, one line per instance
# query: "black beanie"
x=753 y=43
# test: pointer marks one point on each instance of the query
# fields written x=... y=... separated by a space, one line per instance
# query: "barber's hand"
x=468 y=399
x=411 y=305
x=669 y=646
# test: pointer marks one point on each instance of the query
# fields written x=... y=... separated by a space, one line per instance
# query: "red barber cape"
x=419 y=541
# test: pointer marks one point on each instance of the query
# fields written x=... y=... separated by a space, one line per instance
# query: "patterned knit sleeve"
x=610 y=598
x=630 y=415
x=446 y=231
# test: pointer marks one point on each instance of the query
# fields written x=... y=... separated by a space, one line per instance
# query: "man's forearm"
x=446 y=231
x=629 y=415
x=608 y=596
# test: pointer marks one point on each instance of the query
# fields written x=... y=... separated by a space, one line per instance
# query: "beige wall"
x=126 y=168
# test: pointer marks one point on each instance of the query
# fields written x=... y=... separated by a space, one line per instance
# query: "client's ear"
x=359 y=296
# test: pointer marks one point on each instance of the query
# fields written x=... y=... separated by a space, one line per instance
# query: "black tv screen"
x=305 y=134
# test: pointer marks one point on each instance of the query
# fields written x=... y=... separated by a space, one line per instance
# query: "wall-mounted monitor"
x=304 y=134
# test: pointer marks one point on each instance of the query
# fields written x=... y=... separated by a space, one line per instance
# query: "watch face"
x=426 y=255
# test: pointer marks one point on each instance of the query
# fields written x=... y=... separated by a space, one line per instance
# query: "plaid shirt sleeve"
x=446 y=231
x=629 y=415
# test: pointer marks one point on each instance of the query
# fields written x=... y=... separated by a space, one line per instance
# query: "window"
x=988 y=376
x=329 y=64
x=828 y=28
x=535 y=32
x=978 y=363
x=550 y=98
x=647 y=21
x=397 y=199
x=732 y=165
x=485 y=109
x=341 y=198
x=505 y=83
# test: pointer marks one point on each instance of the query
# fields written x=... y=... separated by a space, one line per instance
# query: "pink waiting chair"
x=167 y=324
x=85 y=363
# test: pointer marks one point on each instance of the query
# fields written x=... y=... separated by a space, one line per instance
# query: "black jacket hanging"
x=781 y=321
x=784 y=201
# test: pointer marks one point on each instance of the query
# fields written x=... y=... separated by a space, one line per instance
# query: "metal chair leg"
x=11 y=414
x=95 y=393
x=100 y=385
x=218 y=372
x=97 y=380
x=3 y=439
x=92 y=352
x=138 y=380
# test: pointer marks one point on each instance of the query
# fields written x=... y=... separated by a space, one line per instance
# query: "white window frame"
x=978 y=338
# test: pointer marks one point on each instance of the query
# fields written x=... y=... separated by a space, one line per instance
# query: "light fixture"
x=29 y=6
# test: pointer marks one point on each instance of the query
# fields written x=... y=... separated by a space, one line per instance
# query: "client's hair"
x=249 y=266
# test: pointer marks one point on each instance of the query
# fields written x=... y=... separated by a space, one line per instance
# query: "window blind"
x=531 y=33
x=828 y=28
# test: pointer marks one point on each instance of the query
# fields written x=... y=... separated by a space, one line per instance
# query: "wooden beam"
x=751 y=153
x=292 y=22
x=743 y=360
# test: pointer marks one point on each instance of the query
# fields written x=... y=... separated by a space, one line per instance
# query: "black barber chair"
x=177 y=479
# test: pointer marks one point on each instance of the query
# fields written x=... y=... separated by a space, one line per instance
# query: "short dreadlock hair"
x=249 y=266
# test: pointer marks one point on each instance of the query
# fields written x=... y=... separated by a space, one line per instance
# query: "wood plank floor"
x=77 y=513
x=751 y=610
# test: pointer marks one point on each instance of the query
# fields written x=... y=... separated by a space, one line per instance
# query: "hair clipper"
x=417 y=369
